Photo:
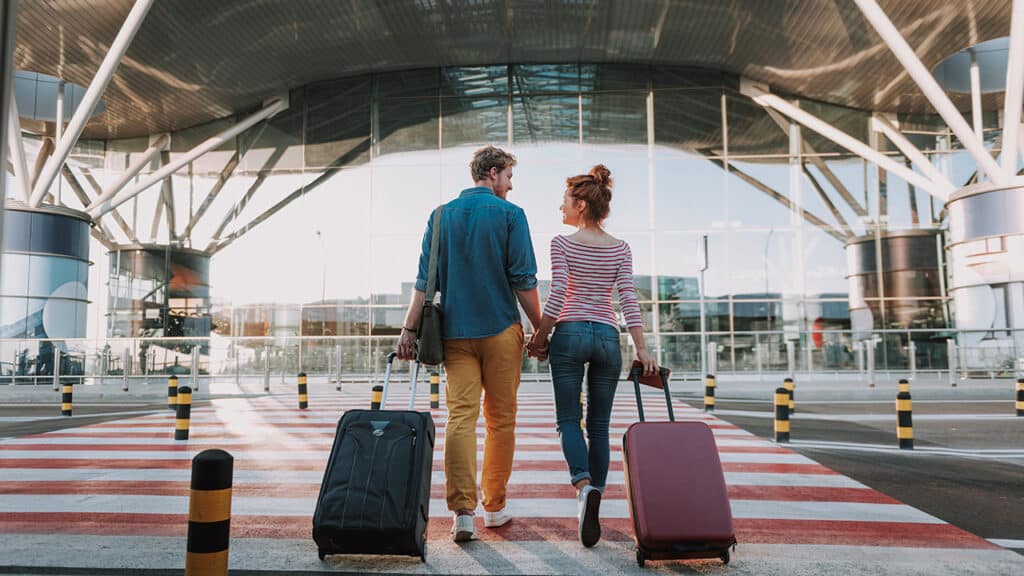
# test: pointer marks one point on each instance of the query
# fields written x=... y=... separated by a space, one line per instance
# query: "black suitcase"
x=375 y=496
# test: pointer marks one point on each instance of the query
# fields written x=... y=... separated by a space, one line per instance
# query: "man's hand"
x=537 y=347
x=406 y=348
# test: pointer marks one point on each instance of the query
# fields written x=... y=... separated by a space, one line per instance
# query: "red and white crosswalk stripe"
x=129 y=477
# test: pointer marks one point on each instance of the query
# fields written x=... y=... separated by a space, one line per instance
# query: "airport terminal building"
x=805 y=184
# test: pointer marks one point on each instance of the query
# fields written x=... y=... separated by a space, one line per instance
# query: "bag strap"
x=435 y=240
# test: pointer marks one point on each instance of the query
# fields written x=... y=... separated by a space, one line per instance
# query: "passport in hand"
x=654 y=380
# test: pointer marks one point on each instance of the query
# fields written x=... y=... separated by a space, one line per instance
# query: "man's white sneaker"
x=463 y=529
x=499 y=518
x=589 y=508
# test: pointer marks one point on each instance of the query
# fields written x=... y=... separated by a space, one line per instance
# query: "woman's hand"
x=650 y=366
x=537 y=347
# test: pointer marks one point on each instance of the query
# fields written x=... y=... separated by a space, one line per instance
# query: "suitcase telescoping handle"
x=634 y=374
x=387 y=380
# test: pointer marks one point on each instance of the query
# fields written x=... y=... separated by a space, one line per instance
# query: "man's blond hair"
x=489 y=157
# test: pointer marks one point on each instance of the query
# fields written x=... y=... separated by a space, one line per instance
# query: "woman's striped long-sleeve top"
x=582 y=279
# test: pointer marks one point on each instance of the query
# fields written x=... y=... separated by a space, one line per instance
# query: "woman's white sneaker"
x=589 y=510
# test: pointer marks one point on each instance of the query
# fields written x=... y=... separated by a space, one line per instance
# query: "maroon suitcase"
x=679 y=504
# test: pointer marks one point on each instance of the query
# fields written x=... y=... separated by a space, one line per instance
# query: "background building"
x=347 y=137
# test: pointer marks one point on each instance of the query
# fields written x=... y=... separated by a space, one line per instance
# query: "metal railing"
x=360 y=358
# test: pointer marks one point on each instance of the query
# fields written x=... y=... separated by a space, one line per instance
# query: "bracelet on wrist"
x=406 y=328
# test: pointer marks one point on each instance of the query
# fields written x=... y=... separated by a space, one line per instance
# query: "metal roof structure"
x=193 y=61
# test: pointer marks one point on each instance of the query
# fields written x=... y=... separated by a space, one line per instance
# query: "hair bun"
x=602 y=175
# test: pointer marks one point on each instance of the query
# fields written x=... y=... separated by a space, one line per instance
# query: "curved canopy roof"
x=193 y=60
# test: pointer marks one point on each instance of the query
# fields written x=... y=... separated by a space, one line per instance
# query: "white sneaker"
x=463 y=528
x=589 y=508
x=499 y=518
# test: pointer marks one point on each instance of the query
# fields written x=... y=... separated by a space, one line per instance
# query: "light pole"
x=323 y=284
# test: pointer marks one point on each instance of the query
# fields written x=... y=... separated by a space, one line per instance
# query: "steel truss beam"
x=1014 y=97
x=114 y=213
x=90 y=99
x=167 y=192
x=161 y=143
x=813 y=158
x=768 y=100
x=17 y=148
x=271 y=108
x=880 y=123
x=100 y=232
x=931 y=89
x=324 y=176
x=843 y=224
x=237 y=209
x=778 y=197
x=222 y=179
x=45 y=150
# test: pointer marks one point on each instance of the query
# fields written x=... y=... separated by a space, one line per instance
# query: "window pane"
x=689 y=193
x=615 y=118
x=689 y=119
x=338 y=122
x=474 y=121
x=407 y=124
x=474 y=81
x=537 y=119
x=15 y=268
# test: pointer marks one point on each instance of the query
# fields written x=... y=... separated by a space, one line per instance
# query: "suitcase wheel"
x=321 y=554
x=640 y=559
x=725 y=557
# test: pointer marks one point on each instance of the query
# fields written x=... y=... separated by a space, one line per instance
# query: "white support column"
x=841 y=138
x=880 y=123
x=157 y=145
x=58 y=126
x=17 y=148
x=976 y=117
x=273 y=107
x=1014 y=97
x=91 y=98
x=931 y=89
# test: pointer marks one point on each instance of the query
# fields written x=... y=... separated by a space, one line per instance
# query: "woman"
x=585 y=267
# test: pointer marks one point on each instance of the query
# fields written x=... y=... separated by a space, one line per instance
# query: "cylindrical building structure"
x=907 y=293
x=986 y=256
x=45 y=283
x=159 y=291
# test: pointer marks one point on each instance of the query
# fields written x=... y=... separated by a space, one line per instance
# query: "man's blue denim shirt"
x=485 y=255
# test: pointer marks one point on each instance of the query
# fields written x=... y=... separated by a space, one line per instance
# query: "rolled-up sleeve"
x=421 y=274
x=521 y=264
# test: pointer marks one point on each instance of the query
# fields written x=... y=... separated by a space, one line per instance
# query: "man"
x=485 y=264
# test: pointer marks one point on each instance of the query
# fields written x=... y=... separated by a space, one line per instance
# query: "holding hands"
x=538 y=345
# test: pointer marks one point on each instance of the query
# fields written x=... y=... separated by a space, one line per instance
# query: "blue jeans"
x=573 y=345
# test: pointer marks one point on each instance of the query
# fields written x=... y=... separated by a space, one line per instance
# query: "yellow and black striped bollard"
x=375 y=397
x=781 y=415
x=709 y=393
x=184 y=414
x=904 y=422
x=172 y=392
x=1020 y=396
x=209 y=514
x=435 y=389
x=65 y=399
x=903 y=386
x=791 y=390
x=303 y=392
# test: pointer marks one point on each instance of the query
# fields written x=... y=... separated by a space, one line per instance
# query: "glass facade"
x=44 y=287
x=363 y=160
